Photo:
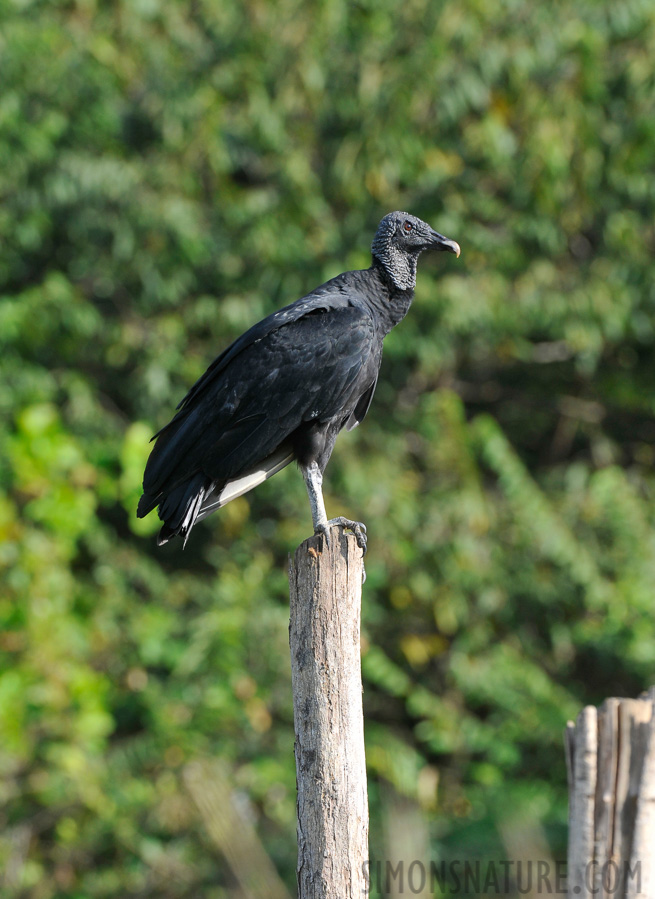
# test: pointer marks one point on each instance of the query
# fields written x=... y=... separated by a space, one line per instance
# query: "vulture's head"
x=399 y=241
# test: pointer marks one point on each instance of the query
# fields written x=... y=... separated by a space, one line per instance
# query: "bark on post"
x=324 y=637
x=611 y=767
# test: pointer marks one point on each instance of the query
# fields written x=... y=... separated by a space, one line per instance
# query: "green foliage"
x=171 y=172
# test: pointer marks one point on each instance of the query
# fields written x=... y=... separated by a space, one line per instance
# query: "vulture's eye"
x=407 y=227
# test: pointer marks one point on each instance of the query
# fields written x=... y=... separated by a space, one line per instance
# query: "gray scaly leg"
x=314 y=483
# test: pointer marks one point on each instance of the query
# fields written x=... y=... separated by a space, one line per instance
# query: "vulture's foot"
x=357 y=527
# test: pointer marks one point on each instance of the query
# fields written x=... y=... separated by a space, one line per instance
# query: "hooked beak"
x=439 y=242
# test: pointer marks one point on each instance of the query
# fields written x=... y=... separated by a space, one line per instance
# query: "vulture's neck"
x=391 y=301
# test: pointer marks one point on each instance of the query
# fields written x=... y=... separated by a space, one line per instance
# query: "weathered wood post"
x=611 y=770
x=324 y=637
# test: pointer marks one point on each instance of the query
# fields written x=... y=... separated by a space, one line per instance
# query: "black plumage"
x=285 y=388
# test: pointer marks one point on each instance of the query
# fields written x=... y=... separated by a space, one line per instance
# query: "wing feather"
x=308 y=362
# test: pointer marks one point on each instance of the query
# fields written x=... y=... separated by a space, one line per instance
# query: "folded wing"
x=315 y=361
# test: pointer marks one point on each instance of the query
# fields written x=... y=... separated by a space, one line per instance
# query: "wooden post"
x=324 y=637
x=611 y=770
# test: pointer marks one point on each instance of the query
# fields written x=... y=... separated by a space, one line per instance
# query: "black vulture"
x=285 y=388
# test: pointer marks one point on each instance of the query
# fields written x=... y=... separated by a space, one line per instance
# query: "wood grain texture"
x=611 y=766
x=581 y=808
x=324 y=637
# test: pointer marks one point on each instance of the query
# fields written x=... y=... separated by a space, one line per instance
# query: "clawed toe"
x=357 y=527
x=324 y=529
x=359 y=530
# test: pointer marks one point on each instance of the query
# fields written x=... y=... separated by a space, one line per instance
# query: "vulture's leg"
x=314 y=483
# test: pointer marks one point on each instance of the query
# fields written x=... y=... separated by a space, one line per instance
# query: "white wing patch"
x=237 y=487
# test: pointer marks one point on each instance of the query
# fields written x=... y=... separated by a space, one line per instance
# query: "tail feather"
x=198 y=497
x=179 y=509
x=146 y=504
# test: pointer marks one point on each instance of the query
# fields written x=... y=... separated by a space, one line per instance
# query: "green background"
x=170 y=172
